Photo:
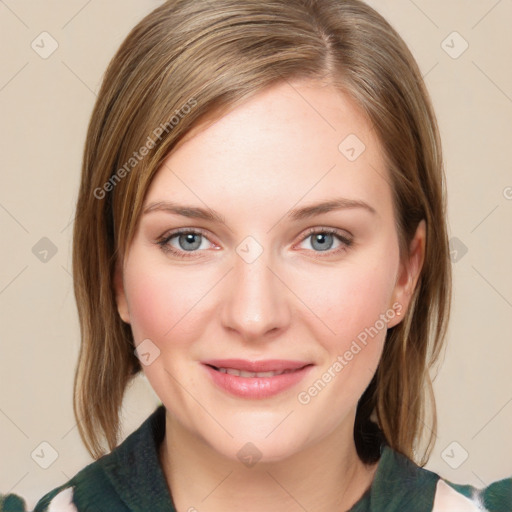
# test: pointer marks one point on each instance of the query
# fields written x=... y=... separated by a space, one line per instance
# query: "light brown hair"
x=197 y=59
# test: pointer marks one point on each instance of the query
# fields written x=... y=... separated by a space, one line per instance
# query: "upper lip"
x=267 y=365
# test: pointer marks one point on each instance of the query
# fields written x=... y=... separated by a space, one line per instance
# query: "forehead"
x=296 y=142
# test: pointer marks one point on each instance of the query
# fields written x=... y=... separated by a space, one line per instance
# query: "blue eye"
x=323 y=240
x=189 y=241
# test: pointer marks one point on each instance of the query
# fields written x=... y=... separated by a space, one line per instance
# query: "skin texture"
x=276 y=152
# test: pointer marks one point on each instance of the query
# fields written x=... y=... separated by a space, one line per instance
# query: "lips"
x=256 y=379
x=268 y=365
x=244 y=374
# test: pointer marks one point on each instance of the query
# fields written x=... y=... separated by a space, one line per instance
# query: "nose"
x=255 y=302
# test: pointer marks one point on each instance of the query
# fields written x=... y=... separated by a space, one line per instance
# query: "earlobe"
x=409 y=272
x=120 y=294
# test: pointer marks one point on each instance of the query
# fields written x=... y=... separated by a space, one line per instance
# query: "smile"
x=245 y=374
x=256 y=379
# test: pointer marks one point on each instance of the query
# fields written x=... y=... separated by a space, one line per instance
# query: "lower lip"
x=257 y=387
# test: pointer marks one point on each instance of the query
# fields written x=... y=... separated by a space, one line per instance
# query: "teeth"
x=242 y=373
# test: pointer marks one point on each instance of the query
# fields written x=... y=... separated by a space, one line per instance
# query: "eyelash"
x=163 y=242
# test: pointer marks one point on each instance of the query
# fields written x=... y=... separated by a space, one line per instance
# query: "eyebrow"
x=185 y=211
x=341 y=203
x=295 y=214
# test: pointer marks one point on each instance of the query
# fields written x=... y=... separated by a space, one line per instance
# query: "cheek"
x=356 y=306
x=162 y=303
x=352 y=300
x=165 y=307
x=148 y=299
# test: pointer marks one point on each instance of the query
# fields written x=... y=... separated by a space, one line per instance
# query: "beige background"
x=46 y=104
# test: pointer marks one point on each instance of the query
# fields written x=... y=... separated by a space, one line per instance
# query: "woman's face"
x=265 y=273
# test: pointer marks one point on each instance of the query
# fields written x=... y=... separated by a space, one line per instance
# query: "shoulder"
x=59 y=500
x=400 y=484
x=112 y=483
x=497 y=497
x=87 y=489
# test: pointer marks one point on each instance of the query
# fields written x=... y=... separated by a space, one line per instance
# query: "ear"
x=409 y=273
x=121 y=301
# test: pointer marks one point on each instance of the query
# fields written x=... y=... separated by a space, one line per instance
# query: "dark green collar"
x=398 y=483
x=134 y=470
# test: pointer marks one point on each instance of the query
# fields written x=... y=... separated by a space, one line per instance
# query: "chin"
x=265 y=445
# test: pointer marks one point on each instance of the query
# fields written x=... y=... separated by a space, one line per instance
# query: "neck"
x=325 y=477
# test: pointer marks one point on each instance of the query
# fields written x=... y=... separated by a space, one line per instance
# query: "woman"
x=261 y=230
